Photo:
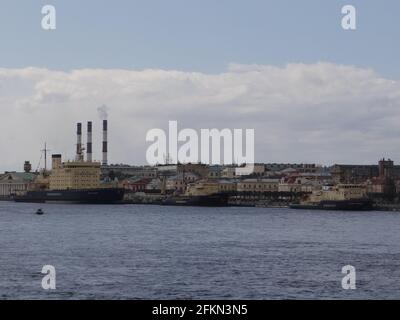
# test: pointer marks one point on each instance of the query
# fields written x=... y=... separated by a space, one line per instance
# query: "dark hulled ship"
x=90 y=196
x=341 y=205
x=75 y=181
x=212 y=200
x=201 y=194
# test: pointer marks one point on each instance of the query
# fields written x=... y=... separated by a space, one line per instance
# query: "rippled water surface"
x=138 y=252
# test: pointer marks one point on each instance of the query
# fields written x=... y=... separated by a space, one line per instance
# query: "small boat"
x=39 y=212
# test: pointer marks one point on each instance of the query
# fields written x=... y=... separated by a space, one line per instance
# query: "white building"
x=13 y=182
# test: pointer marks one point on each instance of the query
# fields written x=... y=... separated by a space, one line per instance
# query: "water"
x=152 y=252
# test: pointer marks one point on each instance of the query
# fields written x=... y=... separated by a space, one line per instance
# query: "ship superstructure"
x=202 y=193
x=339 y=197
x=74 y=174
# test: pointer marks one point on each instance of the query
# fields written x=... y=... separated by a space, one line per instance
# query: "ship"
x=200 y=194
x=76 y=181
x=89 y=196
x=343 y=197
x=213 y=200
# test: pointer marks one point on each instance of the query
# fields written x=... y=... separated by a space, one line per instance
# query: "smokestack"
x=89 y=142
x=105 y=125
x=79 y=142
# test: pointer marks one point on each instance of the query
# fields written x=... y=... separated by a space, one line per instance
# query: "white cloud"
x=323 y=112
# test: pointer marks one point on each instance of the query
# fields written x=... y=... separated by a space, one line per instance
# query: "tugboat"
x=39 y=212
x=344 y=197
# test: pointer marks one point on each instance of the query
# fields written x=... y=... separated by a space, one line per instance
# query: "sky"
x=312 y=91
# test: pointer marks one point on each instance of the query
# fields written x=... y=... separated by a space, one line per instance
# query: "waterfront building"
x=288 y=172
x=215 y=172
x=123 y=171
x=290 y=184
x=353 y=173
x=304 y=182
x=258 y=185
x=380 y=185
x=229 y=186
x=302 y=167
x=135 y=184
x=229 y=172
x=388 y=169
x=179 y=182
x=199 y=169
x=363 y=173
x=385 y=184
x=13 y=182
x=257 y=170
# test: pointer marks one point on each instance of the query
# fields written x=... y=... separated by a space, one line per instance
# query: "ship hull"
x=217 y=200
x=342 y=205
x=92 y=196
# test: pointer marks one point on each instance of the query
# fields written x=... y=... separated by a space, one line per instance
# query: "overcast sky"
x=312 y=91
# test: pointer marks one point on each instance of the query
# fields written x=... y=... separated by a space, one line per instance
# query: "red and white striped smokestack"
x=105 y=146
x=79 y=153
x=89 y=142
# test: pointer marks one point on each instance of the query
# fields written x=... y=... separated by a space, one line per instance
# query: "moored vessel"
x=75 y=181
x=89 y=196
x=344 y=197
x=201 y=194
x=214 y=200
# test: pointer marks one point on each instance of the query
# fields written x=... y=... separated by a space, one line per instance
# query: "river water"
x=156 y=252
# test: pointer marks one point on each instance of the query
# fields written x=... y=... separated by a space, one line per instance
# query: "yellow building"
x=258 y=185
x=227 y=186
x=74 y=174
